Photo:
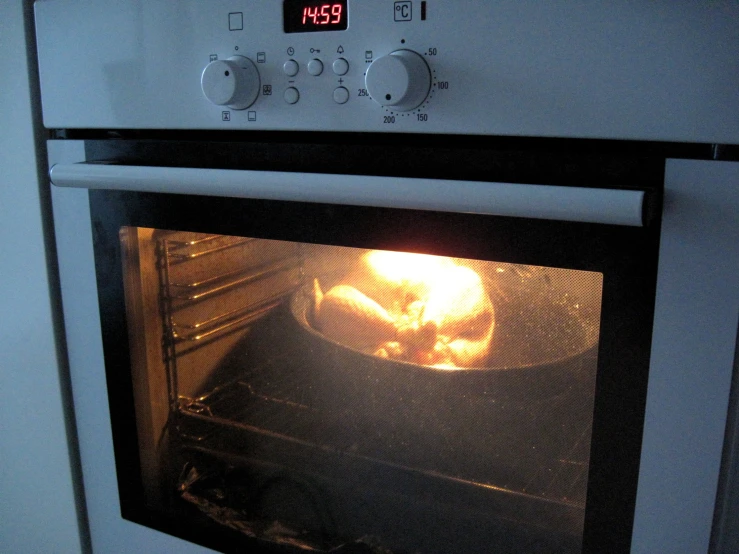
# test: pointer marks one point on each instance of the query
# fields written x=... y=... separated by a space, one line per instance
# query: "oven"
x=322 y=294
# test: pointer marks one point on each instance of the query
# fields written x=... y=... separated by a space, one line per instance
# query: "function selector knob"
x=400 y=80
x=233 y=82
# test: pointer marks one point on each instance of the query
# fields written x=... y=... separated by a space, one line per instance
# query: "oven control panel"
x=409 y=66
x=400 y=81
x=325 y=69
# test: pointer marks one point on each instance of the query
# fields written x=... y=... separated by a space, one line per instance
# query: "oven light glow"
x=405 y=267
x=410 y=307
x=444 y=286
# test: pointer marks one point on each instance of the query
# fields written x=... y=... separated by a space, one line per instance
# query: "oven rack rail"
x=513 y=523
x=212 y=286
x=221 y=282
x=283 y=409
x=223 y=322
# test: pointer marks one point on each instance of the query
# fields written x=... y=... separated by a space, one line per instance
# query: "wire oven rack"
x=527 y=462
x=212 y=286
x=279 y=407
x=522 y=461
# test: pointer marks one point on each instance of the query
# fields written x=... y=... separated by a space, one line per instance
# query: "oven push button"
x=315 y=67
x=292 y=95
x=291 y=68
x=341 y=66
x=341 y=95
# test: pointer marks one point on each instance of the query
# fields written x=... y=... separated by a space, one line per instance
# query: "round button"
x=341 y=95
x=291 y=68
x=292 y=95
x=315 y=67
x=341 y=66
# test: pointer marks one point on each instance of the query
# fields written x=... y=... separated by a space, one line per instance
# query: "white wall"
x=37 y=503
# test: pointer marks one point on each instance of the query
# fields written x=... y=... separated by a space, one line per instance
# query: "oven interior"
x=263 y=414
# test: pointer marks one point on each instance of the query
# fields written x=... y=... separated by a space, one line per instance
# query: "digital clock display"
x=308 y=16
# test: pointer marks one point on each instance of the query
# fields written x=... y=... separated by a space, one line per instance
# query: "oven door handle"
x=561 y=203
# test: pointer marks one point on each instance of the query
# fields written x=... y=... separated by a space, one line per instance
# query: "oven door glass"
x=363 y=387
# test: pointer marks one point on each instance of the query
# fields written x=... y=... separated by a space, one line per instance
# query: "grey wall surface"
x=37 y=510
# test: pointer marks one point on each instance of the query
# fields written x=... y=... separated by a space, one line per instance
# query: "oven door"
x=293 y=361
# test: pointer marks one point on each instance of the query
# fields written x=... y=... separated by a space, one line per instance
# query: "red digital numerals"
x=324 y=15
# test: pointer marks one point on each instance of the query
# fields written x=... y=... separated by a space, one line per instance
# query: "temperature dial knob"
x=233 y=82
x=400 y=80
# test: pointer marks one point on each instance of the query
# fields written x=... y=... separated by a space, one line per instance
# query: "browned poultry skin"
x=432 y=313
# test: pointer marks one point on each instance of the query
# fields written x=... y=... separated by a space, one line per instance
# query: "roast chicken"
x=410 y=307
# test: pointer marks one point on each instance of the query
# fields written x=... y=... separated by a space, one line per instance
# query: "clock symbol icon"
x=290 y=51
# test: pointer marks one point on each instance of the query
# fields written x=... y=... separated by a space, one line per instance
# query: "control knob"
x=233 y=82
x=400 y=80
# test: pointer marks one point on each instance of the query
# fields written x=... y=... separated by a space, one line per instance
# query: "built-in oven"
x=411 y=332
x=427 y=379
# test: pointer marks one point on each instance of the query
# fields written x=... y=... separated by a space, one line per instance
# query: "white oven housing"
x=656 y=71
x=690 y=375
x=662 y=72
